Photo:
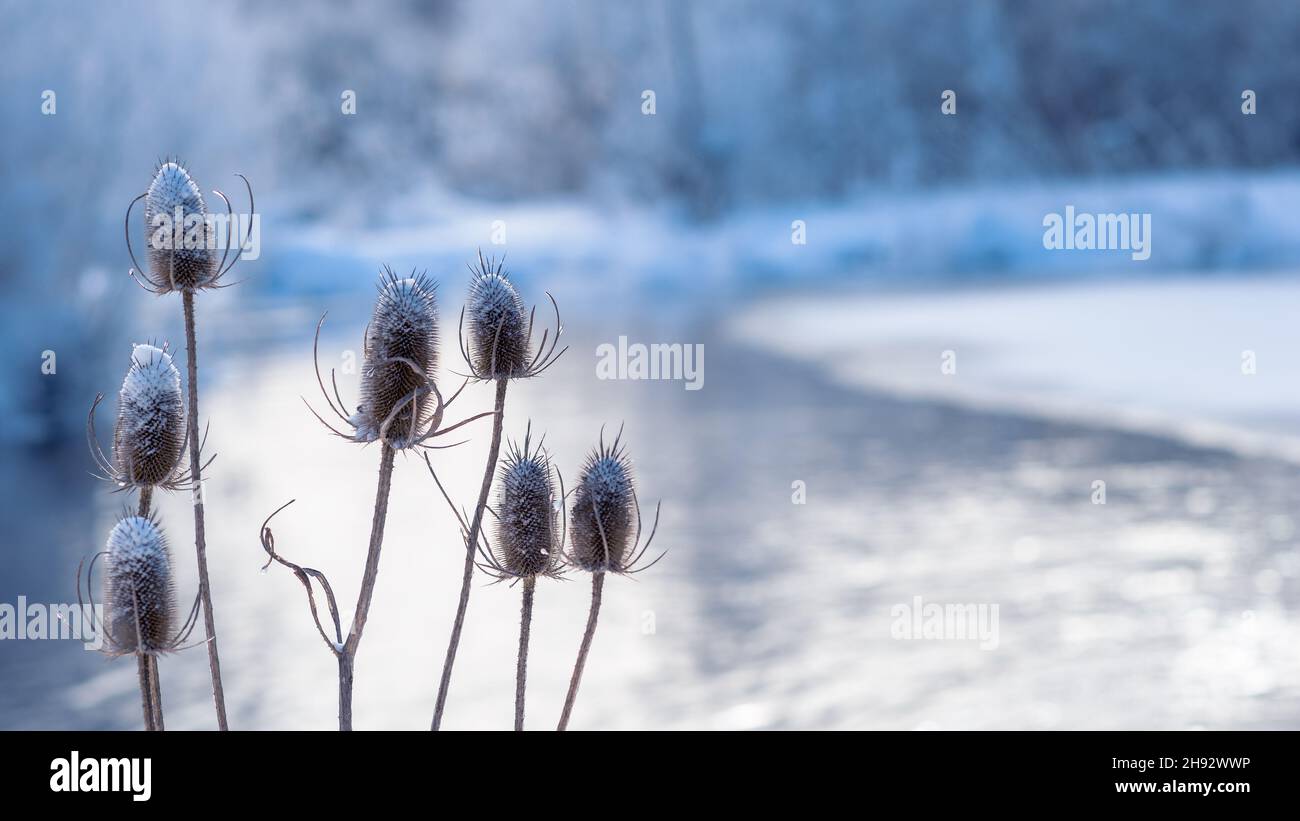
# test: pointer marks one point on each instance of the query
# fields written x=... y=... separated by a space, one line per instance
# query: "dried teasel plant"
x=499 y=349
x=402 y=409
x=182 y=257
x=181 y=248
x=148 y=441
x=400 y=404
x=150 y=434
x=530 y=536
x=605 y=536
x=139 y=604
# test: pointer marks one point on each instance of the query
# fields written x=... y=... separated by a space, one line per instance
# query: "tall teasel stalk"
x=149 y=440
x=498 y=350
x=401 y=408
x=530 y=537
x=147 y=665
x=182 y=258
x=606 y=537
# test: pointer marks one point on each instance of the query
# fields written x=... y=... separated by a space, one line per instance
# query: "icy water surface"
x=1170 y=606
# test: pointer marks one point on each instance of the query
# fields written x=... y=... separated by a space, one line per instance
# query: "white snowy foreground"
x=1212 y=361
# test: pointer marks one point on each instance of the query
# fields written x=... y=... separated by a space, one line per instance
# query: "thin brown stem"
x=471 y=548
x=348 y=655
x=200 y=538
x=155 y=687
x=345 y=691
x=597 y=583
x=305 y=575
x=146 y=690
x=147 y=665
x=521 y=667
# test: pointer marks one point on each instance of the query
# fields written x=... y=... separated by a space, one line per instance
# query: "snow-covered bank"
x=632 y=262
x=1200 y=222
x=1214 y=361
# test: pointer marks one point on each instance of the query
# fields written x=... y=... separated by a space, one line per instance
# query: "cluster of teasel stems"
x=402 y=409
x=154 y=428
x=148 y=447
x=495 y=335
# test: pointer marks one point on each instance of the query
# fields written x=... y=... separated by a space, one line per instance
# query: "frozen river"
x=1172 y=605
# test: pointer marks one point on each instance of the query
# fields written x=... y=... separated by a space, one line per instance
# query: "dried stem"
x=348 y=654
x=345 y=692
x=344 y=651
x=521 y=667
x=146 y=664
x=471 y=543
x=156 y=688
x=200 y=539
x=597 y=583
x=146 y=689
x=305 y=575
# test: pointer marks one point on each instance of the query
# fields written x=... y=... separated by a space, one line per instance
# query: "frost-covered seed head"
x=498 y=324
x=190 y=263
x=604 y=511
x=149 y=438
x=528 y=538
x=401 y=356
x=139 y=599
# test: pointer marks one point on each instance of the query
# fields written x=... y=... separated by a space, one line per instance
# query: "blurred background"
x=904 y=393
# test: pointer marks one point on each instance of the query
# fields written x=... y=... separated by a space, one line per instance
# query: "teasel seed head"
x=400 y=360
x=499 y=324
x=150 y=436
x=173 y=265
x=529 y=541
x=604 y=515
x=139 y=597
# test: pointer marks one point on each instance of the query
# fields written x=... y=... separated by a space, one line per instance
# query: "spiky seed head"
x=498 y=324
x=181 y=257
x=603 y=515
x=401 y=357
x=139 y=598
x=149 y=438
x=528 y=538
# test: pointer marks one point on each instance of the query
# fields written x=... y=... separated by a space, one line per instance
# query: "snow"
x=152 y=374
x=150 y=401
x=595 y=251
x=1166 y=356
